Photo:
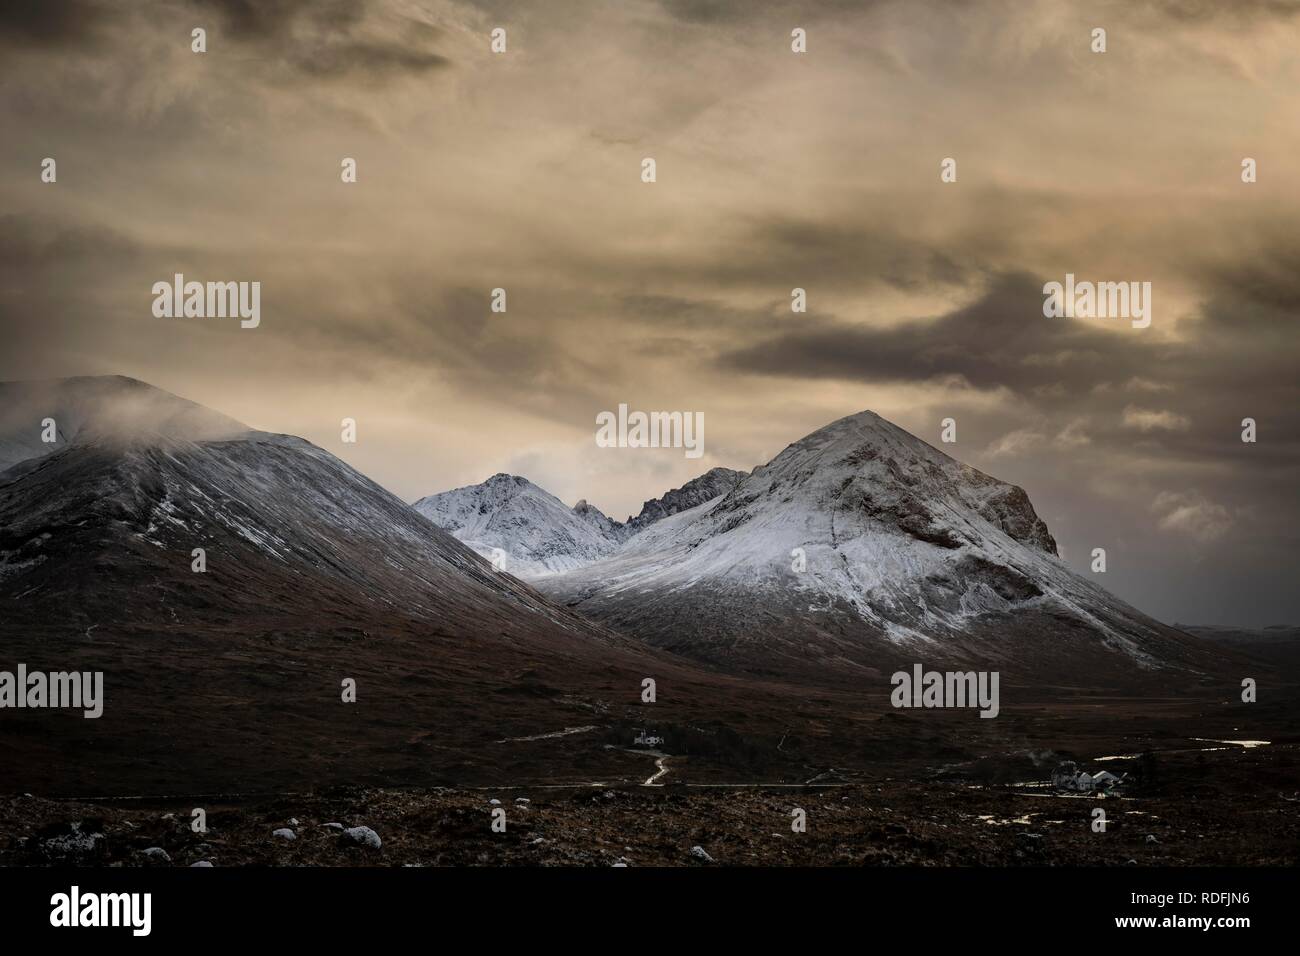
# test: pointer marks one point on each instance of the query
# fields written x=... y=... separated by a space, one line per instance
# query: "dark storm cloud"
x=1123 y=391
x=1201 y=11
x=705 y=318
x=731 y=11
x=1185 y=11
x=371 y=58
x=268 y=19
x=331 y=38
x=29 y=245
x=313 y=39
x=1268 y=278
x=845 y=253
x=1001 y=340
x=53 y=277
x=52 y=23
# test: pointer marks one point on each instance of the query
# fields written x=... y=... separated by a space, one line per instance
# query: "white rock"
x=156 y=853
x=284 y=833
x=699 y=853
x=201 y=863
x=73 y=844
x=362 y=836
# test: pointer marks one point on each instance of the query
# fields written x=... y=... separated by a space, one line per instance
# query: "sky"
x=775 y=170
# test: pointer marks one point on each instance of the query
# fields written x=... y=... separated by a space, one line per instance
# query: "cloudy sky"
x=775 y=170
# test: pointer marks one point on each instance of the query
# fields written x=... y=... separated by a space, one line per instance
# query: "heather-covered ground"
x=1231 y=806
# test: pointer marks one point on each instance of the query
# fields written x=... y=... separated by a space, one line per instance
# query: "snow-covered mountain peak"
x=537 y=532
x=904 y=481
x=540 y=535
x=858 y=535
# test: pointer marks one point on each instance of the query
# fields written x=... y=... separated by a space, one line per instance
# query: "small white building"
x=644 y=739
x=1069 y=777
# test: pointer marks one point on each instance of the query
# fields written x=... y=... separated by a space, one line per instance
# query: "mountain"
x=232 y=678
x=1277 y=644
x=606 y=525
x=155 y=476
x=711 y=484
x=538 y=533
x=110 y=405
x=861 y=548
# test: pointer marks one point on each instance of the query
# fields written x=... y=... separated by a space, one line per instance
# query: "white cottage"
x=1068 y=776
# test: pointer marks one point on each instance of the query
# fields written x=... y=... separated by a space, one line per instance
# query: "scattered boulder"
x=71 y=842
x=701 y=854
x=284 y=833
x=202 y=863
x=156 y=854
x=334 y=826
x=1151 y=838
x=362 y=836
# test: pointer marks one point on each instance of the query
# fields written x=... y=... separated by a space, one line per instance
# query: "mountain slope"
x=156 y=485
x=861 y=547
x=606 y=525
x=232 y=679
x=109 y=405
x=539 y=534
x=711 y=484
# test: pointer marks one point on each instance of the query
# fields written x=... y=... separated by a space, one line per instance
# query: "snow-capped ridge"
x=539 y=536
x=509 y=518
x=710 y=485
x=857 y=537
